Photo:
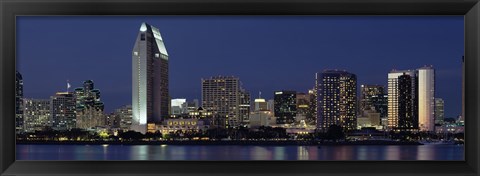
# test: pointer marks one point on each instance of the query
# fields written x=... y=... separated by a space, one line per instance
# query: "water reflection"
x=176 y=152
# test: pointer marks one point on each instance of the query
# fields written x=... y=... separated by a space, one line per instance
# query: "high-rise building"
x=285 y=106
x=312 y=113
x=439 y=110
x=403 y=100
x=36 y=114
x=89 y=107
x=373 y=98
x=19 y=121
x=336 y=99
x=222 y=96
x=124 y=113
x=411 y=99
x=178 y=106
x=426 y=98
x=270 y=105
x=193 y=105
x=150 y=96
x=260 y=104
x=62 y=111
x=244 y=107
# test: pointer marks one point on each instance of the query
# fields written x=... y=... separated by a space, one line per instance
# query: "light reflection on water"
x=232 y=152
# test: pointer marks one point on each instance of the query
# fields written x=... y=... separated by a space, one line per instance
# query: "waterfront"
x=238 y=152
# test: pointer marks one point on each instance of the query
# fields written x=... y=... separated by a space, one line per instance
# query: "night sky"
x=267 y=53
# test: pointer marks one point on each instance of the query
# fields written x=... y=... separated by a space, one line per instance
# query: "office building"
x=36 y=114
x=62 y=111
x=150 y=94
x=19 y=121
x=285 y=106
x=312 y=112
x=336 y=100
x=222 y=96
x=89 y=107
x=178 y=106
x=303 y=106
x=373 y=99
x=426 y=98
x=439 y=110
x=403 y=100
x=244 y=107
x=260 y=104
x=125 y=116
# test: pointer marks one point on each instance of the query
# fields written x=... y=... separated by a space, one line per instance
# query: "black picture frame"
x=9 y=9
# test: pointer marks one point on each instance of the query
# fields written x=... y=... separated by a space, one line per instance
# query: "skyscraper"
x=36 y=114
x=426 y=98
x=222 y=96
x=439 y=110
x=411 y=99
x=62 y=111
x=373 y=98
x=150 y=96
x=285 y=106
x=89 y=108
x=124 y=113
x=402 y=100
x=244 y=109
x=336 y=100
x=19 y=121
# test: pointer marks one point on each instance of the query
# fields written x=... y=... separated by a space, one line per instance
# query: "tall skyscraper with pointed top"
x=150 y=95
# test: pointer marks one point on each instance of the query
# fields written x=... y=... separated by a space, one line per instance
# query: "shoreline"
x=233 y=142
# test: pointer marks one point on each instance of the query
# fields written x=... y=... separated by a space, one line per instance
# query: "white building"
x=426 y=99
x=150 y=94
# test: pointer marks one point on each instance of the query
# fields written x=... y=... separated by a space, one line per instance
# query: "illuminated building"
x=178 y=106
x=222 y=96
x=312 y=112
x=439 y=110
x=89 y=108
x=403 y=100
x=411 y=99
x=150 y=96
x=426 y=98
x=261 y=118
x=336 y=100
x=373 y=97
x=244 y=107
x=124 y=113
x=19 y=121
x=260 y=104
x=303 y=106
x=285 y=106
x=62 y=111
x=36 y=114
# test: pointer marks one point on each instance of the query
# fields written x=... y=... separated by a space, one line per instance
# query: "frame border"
x=9 y=9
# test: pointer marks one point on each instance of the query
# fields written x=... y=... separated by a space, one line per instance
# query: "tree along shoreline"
x=220 y=142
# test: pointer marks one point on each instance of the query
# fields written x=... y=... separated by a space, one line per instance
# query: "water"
x=236 y=152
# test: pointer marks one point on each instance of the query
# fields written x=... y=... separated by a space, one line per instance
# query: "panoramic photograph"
x=240 y=88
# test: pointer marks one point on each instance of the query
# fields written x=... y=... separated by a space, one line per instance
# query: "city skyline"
x=301 y=85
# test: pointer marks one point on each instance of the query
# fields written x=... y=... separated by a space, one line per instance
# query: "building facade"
x=36 y=114
x=285 y=106
x=89 y=107
x=426 y=98
x=19 y=120
x=439 y=110
x=62 y=111
x=150 y=93
x=336 y=99
x=403 y=100
x=222 y=96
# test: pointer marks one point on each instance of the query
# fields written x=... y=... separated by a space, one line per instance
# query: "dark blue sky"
x=268 y=53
